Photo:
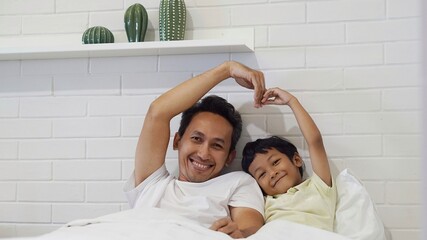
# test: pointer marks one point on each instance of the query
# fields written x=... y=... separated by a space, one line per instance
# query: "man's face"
x=204 y=148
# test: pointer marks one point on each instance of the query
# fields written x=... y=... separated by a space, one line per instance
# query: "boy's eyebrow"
x=271 y=157
x=256 y=170
x=268 y=159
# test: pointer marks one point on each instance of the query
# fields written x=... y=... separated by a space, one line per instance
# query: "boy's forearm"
x=306 y=124
x=319 y=159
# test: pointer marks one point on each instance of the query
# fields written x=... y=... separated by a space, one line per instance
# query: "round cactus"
x=172 y=20
x=97 y=34
x=136 y=21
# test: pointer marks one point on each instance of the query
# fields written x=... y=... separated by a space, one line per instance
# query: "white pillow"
x=356 y=216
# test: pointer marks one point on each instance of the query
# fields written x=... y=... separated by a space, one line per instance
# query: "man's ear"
x=231 y=157
x=176 y=139
x=297 y=160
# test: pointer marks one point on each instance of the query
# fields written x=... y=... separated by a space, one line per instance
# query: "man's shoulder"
x=238 y=176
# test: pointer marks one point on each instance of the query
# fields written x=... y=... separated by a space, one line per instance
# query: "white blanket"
x=157 y=224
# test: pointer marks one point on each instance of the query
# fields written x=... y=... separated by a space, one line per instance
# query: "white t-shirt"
x=203 y=202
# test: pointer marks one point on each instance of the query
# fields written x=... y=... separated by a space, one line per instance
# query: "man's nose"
x=204 y=151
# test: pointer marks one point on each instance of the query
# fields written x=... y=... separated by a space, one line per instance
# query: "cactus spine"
x=136 y=20
x=97 y=34
x=172 y=20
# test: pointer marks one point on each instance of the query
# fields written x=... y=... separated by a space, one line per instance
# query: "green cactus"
x=136 y=21
x=97 y=34
x=172 y=20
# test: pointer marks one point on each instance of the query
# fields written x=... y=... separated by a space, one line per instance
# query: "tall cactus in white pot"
x=172 y=20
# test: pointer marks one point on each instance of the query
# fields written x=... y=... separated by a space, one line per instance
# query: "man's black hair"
x=217 y=105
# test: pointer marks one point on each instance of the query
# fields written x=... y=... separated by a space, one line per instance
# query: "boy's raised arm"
x=155 y=134
x=311 y=133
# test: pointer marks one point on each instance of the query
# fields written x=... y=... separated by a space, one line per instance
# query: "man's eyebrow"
x=198 y=133
x=217 y=139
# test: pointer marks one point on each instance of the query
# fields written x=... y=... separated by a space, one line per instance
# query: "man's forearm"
x=183 y=96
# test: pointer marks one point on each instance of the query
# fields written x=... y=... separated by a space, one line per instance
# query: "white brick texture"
x=90 y=127
x=86 y=170
x=23 y=170
x=51 y=192
x=20 y=7
x=10 y=29
x=268 y=14
x=25 y=212
x=332 y=10
x=10 y=68
x=69 y=127
x=9 y=107
x=65 y=23
x=87 y=85
x=307 y=34
x=391 y=30
x=34 y=86
x=52 y=149
x=86 y=6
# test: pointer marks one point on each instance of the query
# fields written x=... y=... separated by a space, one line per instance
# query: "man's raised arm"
x=155 y=134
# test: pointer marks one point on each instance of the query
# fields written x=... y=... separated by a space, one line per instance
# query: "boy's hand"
x=227 y=226
x=248 y=78
x=277 y=96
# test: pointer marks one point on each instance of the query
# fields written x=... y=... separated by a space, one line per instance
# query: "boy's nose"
x=273 y=174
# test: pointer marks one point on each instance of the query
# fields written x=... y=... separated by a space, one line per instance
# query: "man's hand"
x=248 y=78
x=227 y=226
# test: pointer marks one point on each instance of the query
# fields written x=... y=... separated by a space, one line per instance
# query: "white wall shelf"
x=239 y=41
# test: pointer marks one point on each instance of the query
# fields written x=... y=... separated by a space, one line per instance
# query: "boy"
x=278 y=168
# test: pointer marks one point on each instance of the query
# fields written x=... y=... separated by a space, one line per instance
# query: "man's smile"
x=198 y=165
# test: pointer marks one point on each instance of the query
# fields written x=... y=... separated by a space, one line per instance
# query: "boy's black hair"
x=217 y=105
x=262 y=145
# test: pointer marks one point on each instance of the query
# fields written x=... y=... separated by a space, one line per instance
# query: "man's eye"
x=197 y=139
x=218 y=146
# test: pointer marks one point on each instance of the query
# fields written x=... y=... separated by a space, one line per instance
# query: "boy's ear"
x=297 y=160
x=230 y=157
x=176 y=139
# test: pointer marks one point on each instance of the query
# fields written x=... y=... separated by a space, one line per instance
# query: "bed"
x=154 y=223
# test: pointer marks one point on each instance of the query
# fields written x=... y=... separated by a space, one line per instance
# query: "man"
x=230 y=203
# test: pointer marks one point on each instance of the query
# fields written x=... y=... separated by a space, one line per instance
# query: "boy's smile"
x=204 y=148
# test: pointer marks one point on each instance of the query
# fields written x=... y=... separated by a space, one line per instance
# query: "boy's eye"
x=261 y=175
x=276 y=162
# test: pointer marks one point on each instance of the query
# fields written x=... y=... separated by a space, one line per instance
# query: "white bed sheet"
x=157 y=224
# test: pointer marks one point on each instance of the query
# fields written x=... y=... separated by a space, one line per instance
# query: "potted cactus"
x=172 y=20
x=136 y=21
x=97 y=34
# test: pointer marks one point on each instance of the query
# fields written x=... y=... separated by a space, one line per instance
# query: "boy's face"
x=204 y=148
x=274 y=172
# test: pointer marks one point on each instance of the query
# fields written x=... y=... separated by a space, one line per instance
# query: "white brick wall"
x=68 y=127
